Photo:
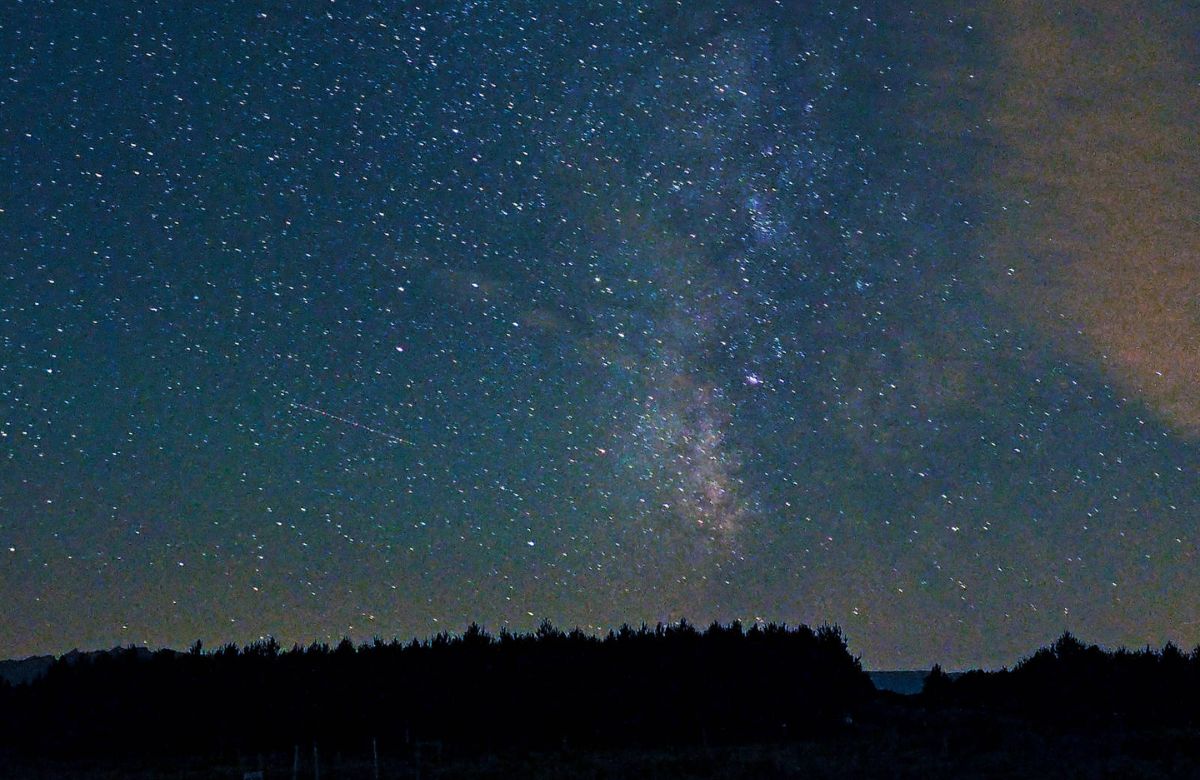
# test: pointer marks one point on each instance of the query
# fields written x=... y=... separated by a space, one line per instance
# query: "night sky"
x=347 y=318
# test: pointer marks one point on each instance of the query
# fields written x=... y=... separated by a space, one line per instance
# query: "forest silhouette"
x=650 y=685
x=1077 y=683
x=794 y=697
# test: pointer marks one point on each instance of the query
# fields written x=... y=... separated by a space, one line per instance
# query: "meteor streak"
x=352 y=423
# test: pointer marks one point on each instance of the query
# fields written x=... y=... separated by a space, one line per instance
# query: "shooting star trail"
x=352 y=423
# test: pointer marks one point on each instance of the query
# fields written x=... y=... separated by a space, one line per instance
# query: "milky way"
x=343 y=319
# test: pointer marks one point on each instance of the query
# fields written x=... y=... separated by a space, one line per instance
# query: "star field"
x=341 y=318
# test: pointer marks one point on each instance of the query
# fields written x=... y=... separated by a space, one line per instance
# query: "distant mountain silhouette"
x=26 y=670
x=19 y=672
x=907 y=681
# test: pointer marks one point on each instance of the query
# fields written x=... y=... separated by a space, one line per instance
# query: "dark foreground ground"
x=893 y=738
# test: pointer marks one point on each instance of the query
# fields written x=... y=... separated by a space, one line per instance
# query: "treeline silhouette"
x=669 y=684
x=1076 y=684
